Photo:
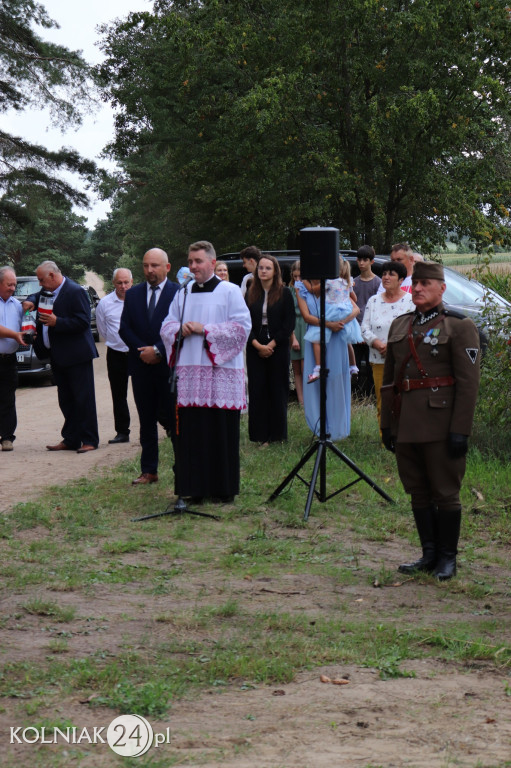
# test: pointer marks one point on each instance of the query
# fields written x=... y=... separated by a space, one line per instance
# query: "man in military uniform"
x=430 y=384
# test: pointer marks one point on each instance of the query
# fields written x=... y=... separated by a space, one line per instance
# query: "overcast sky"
x=78 y=22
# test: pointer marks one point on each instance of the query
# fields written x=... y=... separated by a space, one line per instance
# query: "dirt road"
x=28 y=469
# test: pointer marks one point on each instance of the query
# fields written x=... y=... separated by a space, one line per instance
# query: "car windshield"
x=27 y=287
x=464 y=292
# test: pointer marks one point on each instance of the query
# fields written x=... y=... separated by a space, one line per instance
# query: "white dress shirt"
x=157 y=292
x=108 y=320
x=55 y=293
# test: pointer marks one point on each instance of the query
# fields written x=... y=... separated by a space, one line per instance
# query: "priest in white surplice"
x=210 y=379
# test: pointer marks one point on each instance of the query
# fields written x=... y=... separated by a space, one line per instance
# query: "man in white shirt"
x=250 y=257
x=403 y=253
x=108 y=318
x=10 y=338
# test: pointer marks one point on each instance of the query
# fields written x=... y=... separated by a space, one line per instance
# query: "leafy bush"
x=493 y=416
x=499 y=280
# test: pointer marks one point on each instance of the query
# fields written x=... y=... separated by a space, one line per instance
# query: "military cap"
x=424 y=270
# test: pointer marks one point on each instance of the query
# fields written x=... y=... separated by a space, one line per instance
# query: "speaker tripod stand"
x=323 y=443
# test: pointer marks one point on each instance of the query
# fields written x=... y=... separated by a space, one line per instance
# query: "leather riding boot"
x=425 y=523
x=448 y=533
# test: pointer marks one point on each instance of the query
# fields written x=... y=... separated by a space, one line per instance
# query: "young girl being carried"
x=340 y=313
x=353 y=330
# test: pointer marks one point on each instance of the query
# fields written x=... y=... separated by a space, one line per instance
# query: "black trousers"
x=151 y=389
x=364 y=385
x=8 y=384
x=268 y=392
x=77 y=401
x=117 y=368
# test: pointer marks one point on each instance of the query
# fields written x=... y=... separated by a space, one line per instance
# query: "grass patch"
x=39 y=607
x=189 y=605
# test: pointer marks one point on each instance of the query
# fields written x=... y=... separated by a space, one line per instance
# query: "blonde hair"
x=222 y=264
x=345 y=270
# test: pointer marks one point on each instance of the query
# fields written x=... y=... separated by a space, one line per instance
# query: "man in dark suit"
x=145 y=307
x=64 y=333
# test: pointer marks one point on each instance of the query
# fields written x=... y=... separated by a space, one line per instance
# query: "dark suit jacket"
x=136 y=330
x=71 y=340
x=281 y=318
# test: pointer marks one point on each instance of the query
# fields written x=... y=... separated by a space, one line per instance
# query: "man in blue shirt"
x=10 y=338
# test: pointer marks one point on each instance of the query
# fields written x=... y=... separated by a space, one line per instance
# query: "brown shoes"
x=65 y=447
x=145 y=478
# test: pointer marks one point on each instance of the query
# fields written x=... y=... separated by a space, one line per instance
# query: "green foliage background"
x=246 y=121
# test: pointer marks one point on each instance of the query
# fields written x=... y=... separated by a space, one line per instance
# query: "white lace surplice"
x=210 y=369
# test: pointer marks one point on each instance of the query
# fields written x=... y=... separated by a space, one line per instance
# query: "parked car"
x=91 y=293
x=463 y=295
x=29 y=365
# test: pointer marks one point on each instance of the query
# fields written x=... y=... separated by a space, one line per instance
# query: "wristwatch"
x=157 y=352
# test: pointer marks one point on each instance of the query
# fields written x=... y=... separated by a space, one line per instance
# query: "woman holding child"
x=339 y=312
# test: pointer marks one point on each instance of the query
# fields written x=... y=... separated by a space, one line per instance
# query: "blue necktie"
x=152 y=301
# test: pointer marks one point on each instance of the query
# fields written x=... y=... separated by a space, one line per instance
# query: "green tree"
x=52 y=232
x=38 y=73
x=103 y=248
x=249 y=120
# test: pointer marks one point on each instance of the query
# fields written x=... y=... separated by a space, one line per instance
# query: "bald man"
x=145 y=307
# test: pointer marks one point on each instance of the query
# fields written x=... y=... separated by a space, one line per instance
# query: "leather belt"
x=427 y=383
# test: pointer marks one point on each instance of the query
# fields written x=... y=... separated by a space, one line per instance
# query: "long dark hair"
x=256 y=290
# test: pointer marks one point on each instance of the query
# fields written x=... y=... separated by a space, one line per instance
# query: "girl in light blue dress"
x=353 y=330
x=339 y=307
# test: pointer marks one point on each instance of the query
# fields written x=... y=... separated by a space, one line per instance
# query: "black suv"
x=463 y=295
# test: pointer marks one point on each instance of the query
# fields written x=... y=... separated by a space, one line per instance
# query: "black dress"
x=207 y=467
x=268 y=377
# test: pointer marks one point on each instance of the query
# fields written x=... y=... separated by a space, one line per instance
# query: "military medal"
x=434 y=352
x=433 y=341
x=427 y=340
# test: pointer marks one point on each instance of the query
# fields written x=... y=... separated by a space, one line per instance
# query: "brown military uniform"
x=432 y=393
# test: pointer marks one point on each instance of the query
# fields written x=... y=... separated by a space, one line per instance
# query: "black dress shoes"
x=119 y=438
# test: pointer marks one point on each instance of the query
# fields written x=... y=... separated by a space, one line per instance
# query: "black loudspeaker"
x=319 y=253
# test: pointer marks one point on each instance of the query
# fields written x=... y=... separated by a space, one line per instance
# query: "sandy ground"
x=39 y=425
x=448 y=715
